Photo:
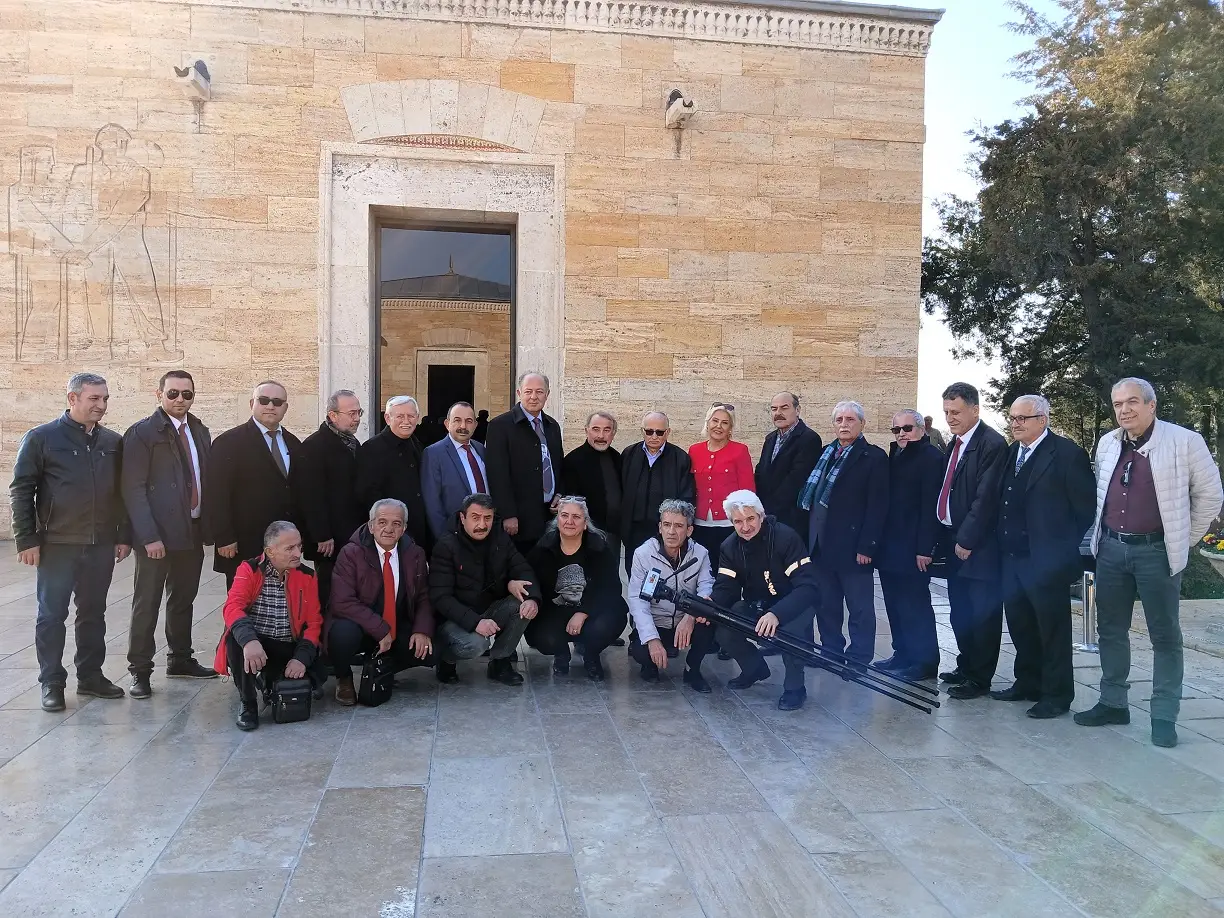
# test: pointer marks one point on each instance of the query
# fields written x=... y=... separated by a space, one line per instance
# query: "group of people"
x=461 y=549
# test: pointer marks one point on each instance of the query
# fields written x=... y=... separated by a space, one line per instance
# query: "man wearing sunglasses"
x=652 y=470
x=248 y=487
x=165 y=463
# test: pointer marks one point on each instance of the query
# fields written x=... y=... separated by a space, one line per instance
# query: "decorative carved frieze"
x=446 y=305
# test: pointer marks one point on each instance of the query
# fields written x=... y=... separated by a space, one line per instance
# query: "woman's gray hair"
x=389 y=502
x=681 y=507
x=575 y=502
x=276 y=530
x=742 y=500
x=914 y=415
x=853 y=406
x=396 y=400
x=78 y=382
x=1145 y=387
x=1040 y=404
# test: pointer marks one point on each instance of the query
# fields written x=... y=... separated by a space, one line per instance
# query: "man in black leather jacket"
x=69 y=522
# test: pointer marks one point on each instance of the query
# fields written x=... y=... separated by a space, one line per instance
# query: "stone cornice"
x=445 y=305
x=869 y=28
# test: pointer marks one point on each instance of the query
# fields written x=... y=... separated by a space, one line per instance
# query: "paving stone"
x=386 y=748
x=250 y=893
x=877 y=885
x=522 y=886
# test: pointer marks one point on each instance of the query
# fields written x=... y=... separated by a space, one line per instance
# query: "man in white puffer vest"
x=1158 y=489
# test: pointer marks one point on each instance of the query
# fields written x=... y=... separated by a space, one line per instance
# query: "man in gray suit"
x=451 y=469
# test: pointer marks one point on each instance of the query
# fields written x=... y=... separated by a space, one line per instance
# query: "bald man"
x=652 y=470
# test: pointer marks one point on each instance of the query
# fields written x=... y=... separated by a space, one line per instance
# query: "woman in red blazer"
x=720 y=465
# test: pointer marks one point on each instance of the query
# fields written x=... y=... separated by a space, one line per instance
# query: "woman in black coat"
x=915 y=471
x=580 y=580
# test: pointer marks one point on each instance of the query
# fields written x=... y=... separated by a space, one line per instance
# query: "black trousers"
x=911 y=617
x=526 y=545
x=323 y=576
x=345 y=640
x=701 y=644
x=851 y=589
x=279 y=654
x=636 y=535
x=749 y=658
x=1038 y=609
x=177 y=575
x=711 y=538
x=977 y=619
x=547 y=633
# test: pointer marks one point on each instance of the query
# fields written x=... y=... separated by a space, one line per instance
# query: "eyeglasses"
x=650 y=432
x=906 y=427
x=175 y=394
x=269 y=400
x=354 y=413
x=1023 y=418
x=724 y=406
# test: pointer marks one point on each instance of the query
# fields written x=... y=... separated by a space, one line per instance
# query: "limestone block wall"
x=773 y=243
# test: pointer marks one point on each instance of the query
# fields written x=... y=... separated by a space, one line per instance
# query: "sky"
x=968 y=84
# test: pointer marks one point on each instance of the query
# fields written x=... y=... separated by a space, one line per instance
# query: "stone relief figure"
x=84 y=273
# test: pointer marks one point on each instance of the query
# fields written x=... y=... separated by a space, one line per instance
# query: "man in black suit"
x=967 y=509
x=165 y=463
x=525 y=463
x=1047 y=503
x=787 y=458
x=652 y=470
x=325 y=483
x=389 y=465
x=247 y=488
x=593 y=471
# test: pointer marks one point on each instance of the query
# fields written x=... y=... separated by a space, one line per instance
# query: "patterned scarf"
x=345 y=437
x=824 y=476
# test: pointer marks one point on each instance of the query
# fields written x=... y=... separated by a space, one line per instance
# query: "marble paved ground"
x=567 y=799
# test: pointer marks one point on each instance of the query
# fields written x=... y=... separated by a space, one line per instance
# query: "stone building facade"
x=771 y=242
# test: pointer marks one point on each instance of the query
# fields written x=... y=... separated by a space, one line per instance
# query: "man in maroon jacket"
x=379 y=598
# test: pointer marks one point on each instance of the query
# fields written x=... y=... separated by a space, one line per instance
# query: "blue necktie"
x=1022 y=457
x=549 y=484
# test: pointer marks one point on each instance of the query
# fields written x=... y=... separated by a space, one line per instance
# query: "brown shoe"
x=345 y=693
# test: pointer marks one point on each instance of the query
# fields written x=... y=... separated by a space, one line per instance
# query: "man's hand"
x=29 y=556
x=518 y=589
x=122 y=551
x=684 y=632
x=767 y=625
x=555 y=501
x=863 y=559
x=228 y=551
x=486 y=627
x=295 y=669
x=529 y=610
x=385 y=644
x=658 y=653
x=326 y=548
x=963 y=553
x=510 y=524
x=923 y=562
x=574 y=625
x=254 y=659
x=420 y=644
x=156 y=550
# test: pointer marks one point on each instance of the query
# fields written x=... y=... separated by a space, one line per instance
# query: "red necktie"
x=191 y=482
x=942 y=507
x=388 y=593
x=476 y=476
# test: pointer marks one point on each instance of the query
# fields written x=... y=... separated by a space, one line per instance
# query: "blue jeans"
x=64 y=571
x=1123 y=571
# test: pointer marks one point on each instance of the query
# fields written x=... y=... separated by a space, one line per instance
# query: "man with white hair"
x=389 y=465
x=1158 y=490
x=765 y=572
x=1045 y=508
x=652 y=470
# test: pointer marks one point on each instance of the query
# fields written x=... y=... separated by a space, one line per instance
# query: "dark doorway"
x=449 y=383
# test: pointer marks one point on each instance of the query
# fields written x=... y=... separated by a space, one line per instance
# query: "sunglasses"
x=908 y=428
x=650 y=432
x=175 y=394
x=269 y=400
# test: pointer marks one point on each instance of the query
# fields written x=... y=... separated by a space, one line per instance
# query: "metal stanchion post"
x=1089 y=643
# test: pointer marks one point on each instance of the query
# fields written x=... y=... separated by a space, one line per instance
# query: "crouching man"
x=379 y=598
x=272 y=620
x=483 y=592
x=659 y=631
x=764 y=571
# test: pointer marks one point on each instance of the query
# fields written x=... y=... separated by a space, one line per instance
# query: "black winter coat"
x=514 y=461
x=780 y=481
x=389 y=466
x=465 y=580
x=911 y=529
x=246 y=491
x=974 y=502
x=773 y=568
x=858 y=505
x=670 y=479
x=584 y=478
x=325 y=483
x=66 y=487
x=602 y=593
x=157 y=485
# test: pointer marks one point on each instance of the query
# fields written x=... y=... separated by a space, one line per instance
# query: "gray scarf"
x=345 y=437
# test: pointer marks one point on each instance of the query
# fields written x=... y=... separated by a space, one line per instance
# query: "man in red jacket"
x=272 y=620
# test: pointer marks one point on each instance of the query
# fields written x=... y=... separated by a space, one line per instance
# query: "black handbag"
x=377 y=680
x=290 y=700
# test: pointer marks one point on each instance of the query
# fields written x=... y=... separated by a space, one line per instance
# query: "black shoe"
x=619 y=642
x=1044 y=710
x=503 y=671
x=1100 y=715
x=513 y=658
x=1164 y=733
x=447 y=673
x=248 y=718
x=769 y=650
x=189 y=669
x=672 y=653
x=1013 y=694
x=792 y=699
x=744 y=680
x=891 y=664
x=99 y=687
x=956 y=677
x=317 y=693
x=968 y=689
x=650 y=672
x=140 y=687
x=53 y=698
x=561 y=663
x=696 y=681
x=594 y=668
x=724 y=655
x=917 y=673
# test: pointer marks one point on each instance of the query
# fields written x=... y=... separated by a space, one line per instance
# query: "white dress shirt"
x=280 y=442
x=960 y=457
x=1036 y=443
x=195 y=462
x=467 y=468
